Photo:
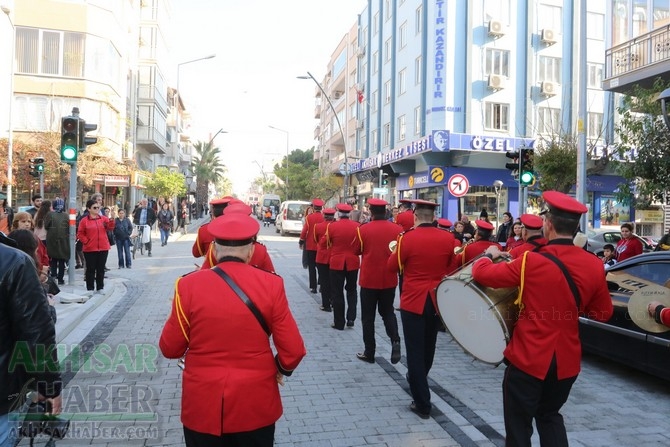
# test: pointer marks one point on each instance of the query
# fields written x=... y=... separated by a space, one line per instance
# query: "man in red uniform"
x=405 y=217
x=224 y=382
x=344 y=265
x=204 y=239
x=308 y=243
x=261 y=257
x=544 y=354
x=480 y=244
x=323 y=259
x=377 y=283
x=531 y=233
x=424 y=255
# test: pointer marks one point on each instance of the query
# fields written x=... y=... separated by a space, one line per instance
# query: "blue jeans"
x=123 y=249
x=7 y=432
x=165 y=234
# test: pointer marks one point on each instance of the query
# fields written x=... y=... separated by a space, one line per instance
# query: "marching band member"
x=323 y=259
x=531 y=232
x=260 y=257
x=405 y=217
x=308 y=243
x=203 y=240
x=480 y=244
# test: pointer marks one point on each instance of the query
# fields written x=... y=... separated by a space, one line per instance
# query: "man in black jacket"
x=145 y=215
x=27 y=338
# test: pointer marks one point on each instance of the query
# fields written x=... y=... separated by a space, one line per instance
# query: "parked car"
x=290 y=217
x=620 y=339
x=598 y=239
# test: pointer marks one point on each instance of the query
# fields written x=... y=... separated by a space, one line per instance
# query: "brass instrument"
x=459 y=250
x=392 y=245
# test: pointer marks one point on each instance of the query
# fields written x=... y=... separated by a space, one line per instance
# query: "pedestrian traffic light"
x=36 y=166
x=83 y=139
x=385 y=179
x=514 y=166
x=526 y=169
x=69 y=139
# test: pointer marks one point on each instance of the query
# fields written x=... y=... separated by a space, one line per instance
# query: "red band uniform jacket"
x=229 y=382
x=372 y=242
x=548 y=323
x=93 y=233
x=307 y=233
x=340 y=236
x=322 y=250
x=474 y=249
x=424 y=255
x=531 y=244
x=405 y=219
x=260 y=258
x=203 y=241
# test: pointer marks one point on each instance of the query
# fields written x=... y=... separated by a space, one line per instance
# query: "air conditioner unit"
x=360 y=124
x=359 y=87
x=337 y=94
x=496 y=28
x=549 y=88
x=496 y=82
x=548 y=36
x=360 y=52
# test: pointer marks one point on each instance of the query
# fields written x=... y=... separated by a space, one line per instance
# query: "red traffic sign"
x=458 y=185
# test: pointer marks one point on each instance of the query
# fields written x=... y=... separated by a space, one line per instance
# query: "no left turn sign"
x=458 y=185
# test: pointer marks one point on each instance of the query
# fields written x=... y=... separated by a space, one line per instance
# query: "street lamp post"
x=498 y=184
x=10 y=134
x=287 y=146
x=218 y=132
x=339 y=125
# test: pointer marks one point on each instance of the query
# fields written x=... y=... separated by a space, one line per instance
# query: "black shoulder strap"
x=568 y=277
x=245 y=299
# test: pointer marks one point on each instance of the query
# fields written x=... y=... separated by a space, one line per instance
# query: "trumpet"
x=459 y=250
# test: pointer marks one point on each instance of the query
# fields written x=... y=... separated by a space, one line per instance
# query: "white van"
x=290 y=217
x=268 y=200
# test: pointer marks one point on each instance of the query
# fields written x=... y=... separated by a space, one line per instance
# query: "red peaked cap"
x=344 y=207
x=377 y=202
x=531 y=221
x=446 y=223
x=562 y=205
x=484 y=225
x=221 y=201
x=329 y=211
x=425 y=204
x=234 y=229
x=238 y=207
x=317 y=202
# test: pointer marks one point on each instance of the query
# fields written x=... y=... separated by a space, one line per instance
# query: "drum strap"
x=568 y=277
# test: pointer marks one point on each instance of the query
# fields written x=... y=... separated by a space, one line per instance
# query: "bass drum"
x=479 y=318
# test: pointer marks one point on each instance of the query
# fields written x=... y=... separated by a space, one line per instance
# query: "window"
x=373 y=101
x=387 y=9
x=417 y=71
x=497 y=116
x=550 y=69
x=402 y=81
x=59 y=53
x=550 y=17
x=497 y=62
x=595 y=75
x=375 y=62
x=595 y=26
x=594 y=129
x=402 y=128
x=375 y=24
x=373 y=140
x=387 y=50
x=418 y=17
x=402 y=35
x=548 y=121
x=363 y=148
x=417 y=120
x=387 y=92
x=387 y=135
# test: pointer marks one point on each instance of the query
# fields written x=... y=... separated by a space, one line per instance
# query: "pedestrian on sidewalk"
x=238 y=380
x=123 y=228
x=183 y=215
x=57 y=224
x=92 y=233
x=165 y=218
x=145 y=215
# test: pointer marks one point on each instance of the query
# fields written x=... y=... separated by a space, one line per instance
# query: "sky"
x=261 y=46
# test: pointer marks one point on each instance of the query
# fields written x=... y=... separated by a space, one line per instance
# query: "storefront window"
x=480 y=198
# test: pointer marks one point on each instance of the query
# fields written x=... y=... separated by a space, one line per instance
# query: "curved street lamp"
x=339 y=125
x=10 y=135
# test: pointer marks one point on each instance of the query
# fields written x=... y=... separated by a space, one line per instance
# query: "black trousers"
x=339 y=281
x=420 y=332
x=381 y=300
x=526 y=398
x=95 y=269
x=324 y=282
x=261 y=437
x=311 y=268
x=57 y=267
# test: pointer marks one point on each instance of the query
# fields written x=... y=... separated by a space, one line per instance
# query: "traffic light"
x=385 y=179
x=514 y=166
x=83 y=139
x=526 y=173
x=36 y=166
x=69 y=139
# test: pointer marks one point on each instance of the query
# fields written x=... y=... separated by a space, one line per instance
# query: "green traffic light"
x=69 y=153
x=527 y=178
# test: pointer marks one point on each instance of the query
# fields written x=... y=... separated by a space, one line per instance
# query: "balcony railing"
x=151 y=140
x=643 y=51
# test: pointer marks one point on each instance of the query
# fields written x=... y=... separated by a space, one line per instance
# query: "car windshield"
x=296 y=211
x=655 y=272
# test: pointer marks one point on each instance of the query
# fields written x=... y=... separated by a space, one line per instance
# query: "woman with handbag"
x=165 y=218
x=123 y=228
x=92 y=233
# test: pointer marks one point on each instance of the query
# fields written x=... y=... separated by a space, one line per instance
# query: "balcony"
x=638 y=61
x=151 y=93
x=151 y=140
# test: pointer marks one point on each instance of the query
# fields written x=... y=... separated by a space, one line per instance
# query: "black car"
x=620 y=339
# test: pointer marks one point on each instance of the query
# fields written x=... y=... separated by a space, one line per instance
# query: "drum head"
x=473 y=320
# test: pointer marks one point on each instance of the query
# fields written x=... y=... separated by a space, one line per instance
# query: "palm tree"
x=207 y=168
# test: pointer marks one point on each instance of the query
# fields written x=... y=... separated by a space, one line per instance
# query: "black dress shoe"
x=395 y=352
x=312 y=290
x=365 y=358
x=335 y=327
x=350 y=323
x=414 y=409
x=325 y=309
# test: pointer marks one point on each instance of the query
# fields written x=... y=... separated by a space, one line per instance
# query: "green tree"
x=302 y=172
x=555 y=162
x=166 y=183
x=207 y=168
x=644 y=147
